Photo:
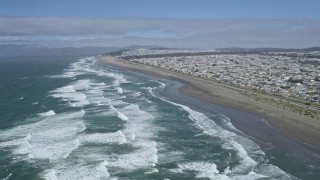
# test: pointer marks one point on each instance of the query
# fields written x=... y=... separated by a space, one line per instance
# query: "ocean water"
x=71 y=118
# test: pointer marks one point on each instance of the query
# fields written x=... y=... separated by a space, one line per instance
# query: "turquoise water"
x=71 y=118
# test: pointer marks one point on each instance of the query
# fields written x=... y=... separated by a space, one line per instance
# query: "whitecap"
x=104 y=138
x=81 y=84
x=52 y=138
x=143 y=157
x=65 y=89
x=149 y=89
x=232 y=141
x=68 y=93
x=120 y=115
x=48 y=113
x=119 y=90
x=161 y=85
x=202 y=169
x=17 y=142
x=153 y=170
x=75 y=69
x=138 y=125
x=79 y=171
x=7 y=177
x=138 y=131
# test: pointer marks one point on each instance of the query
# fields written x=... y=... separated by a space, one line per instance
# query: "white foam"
x=68 y=93
x=117 y=102
x=52 y=138
x=119 y=90
x=82 y=92
x=81 y=84
x=87 y=66
x=161 y=85
x=15 y=142
x=202 y=169
x=65 y=89
x=143 y=157
x=97 y=98
x=227 y=171
x=245 y=158
x=251 y=175
x=7 y=177
x=56 y=137
x=137 y=94
x=71 y=74
x=122 y=116
x=67 y=74
x=48 y=113
x=52 y=150
x=228 y=138
x=234 y=142
x=83 y=66
x=95 y=94
x=20 y=146
x=99 y=84
x=138 y=125
x=118 y=78
x=119 y=114
x=50 y=175
x=79 y=171
x=105 y=138
x=153 y=170
x=209 y=170
x=228 y=123
x=138 y=131
x=149 y=89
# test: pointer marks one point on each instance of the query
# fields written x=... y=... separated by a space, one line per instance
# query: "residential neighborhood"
x=288 y=74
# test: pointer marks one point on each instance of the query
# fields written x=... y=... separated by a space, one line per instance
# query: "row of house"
x=272 y=73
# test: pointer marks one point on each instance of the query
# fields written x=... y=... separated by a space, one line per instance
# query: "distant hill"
x=237 y=49
x=308 y=52
x=120 y=51
x=36 y=50
x=33 y=50
x=314 y=49
x=146 y=47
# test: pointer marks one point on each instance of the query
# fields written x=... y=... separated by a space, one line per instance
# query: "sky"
x=201 y=24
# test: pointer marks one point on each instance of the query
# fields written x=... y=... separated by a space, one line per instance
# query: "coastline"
x=302 y=128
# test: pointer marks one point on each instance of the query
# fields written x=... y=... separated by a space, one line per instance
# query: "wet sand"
x=217 y=96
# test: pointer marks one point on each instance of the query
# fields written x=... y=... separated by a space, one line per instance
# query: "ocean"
x=65 y=117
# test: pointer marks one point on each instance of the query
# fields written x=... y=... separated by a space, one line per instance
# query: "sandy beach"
x=303 y=128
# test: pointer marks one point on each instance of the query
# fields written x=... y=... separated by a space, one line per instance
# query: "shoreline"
x=302 y=128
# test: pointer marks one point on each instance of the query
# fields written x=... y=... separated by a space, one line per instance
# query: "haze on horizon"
x=180 y=23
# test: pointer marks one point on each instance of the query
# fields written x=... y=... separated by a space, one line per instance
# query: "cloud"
x=202 y=33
